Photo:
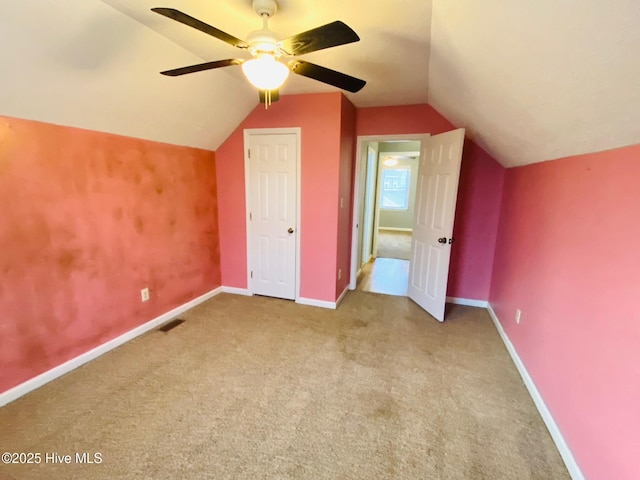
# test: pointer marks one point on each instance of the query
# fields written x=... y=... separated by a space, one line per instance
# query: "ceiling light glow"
x=265 y=72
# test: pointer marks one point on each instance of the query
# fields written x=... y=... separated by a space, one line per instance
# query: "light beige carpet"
x=394 y=244
x=259 y=388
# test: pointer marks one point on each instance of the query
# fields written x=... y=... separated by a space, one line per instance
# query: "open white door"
x=435 y=208
x=272 y=161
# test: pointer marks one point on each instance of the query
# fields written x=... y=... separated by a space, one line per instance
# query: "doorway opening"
x=432 y=208
x=386 y=180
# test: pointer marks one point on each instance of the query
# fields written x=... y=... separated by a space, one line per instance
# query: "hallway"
x=385 y=275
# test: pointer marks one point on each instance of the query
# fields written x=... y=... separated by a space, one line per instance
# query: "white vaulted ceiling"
x=538 y=80
x=531 y=81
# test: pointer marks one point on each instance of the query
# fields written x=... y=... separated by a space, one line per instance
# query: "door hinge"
x=250 y=216
x=251 y=273
x=248 y=153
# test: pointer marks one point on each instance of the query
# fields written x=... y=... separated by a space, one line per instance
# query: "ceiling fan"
x=264 y=70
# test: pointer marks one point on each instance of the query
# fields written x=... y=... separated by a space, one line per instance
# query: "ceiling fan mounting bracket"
x=265 y=7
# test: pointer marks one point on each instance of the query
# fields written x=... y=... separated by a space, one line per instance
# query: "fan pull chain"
x=267 y=99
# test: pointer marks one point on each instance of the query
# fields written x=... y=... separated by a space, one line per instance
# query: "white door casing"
x=371 y=168
x=436 y=197
x=272 y=172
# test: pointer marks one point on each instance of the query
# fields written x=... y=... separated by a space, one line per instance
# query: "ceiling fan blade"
x=178 y=16
x=275 y=96
x=202 y=66
x=326 y=75
x=329 y=35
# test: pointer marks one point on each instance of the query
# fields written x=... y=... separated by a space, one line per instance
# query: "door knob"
x=442 y=240
x=290 y=230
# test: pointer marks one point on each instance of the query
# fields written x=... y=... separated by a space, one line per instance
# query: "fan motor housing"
x=262 y=41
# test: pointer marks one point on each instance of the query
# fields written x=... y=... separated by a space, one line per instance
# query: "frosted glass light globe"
x=265 y=72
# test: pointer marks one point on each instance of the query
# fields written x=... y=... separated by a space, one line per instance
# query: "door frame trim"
x=247 y=133
x=361 y=142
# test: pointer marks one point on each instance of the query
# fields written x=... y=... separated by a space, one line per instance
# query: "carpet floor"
x=394 y=244
x=260 y=388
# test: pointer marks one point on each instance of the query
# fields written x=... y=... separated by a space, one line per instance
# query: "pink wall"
x=567 y=255
x=87 y=220
x=479 y=195
x=319 y=116
x=401 y=119
x=347 y=155
x=476 y=224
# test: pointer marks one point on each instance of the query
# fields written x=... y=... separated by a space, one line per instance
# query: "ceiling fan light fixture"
x=265 y=72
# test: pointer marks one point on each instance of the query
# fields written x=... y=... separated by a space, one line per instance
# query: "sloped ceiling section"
x=392 y=55
x=531 y=81
x=95 y=63
x=536 y=81
x=85 y=64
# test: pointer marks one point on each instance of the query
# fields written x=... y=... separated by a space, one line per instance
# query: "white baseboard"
x=36 y=382
x=316 y=303
x=469 y=302
x=561 y=445
x=341 y=297
x=237 y=291
x=396 y=229
x=301 y=300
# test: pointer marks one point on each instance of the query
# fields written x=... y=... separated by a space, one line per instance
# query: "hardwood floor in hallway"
x=385 y=275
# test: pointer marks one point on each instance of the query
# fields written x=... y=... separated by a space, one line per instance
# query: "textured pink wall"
x=479 y=195
x=421 y=118
x=476 y=224
x=567 y=255
x=86 y=221
x=347 y=155
x=319 y=117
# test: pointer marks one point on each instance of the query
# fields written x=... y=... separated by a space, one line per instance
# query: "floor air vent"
x=170 y=325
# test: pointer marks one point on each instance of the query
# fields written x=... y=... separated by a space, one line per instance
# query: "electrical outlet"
x=339 y=273
x=518 y=313
x=144 y=294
